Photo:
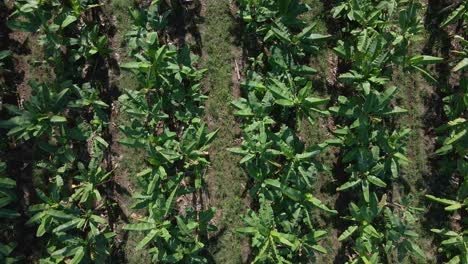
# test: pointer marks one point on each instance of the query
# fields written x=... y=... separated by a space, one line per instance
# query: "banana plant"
x=277 y=94
x=173 y=241
x=7 y=213
x=369 y=54
x=368 y=239
x=254 y=109
x=3 y=55
x=381 y=16
x=194 y=146
x=454 y=245
x=6 y=251
x=256 y=158
x=88 y=100
x=170 y=237
x=297 y=99
x=279 y=166
x=92 y=248
x=57 y=25
x=50 y=18
x=68 y=245
x=46 y=114
x=258 y=14
x=43 y=114
x=463 y=54
x=285 y=37
x=458 y=14
x=169 y=75
x=281 y=240
x=453 y=137
x=374 y=242
x=165 y=122
x=89 y=44
x=373 y=154
x=146 y=24
x=74 y=227
x=79 y=6
x=89 y=179
x=7 y=194
x=35 y=15
x=145 y=118
x=366 y=13
x=386 y=33
x=456 y=137
x=400 y=235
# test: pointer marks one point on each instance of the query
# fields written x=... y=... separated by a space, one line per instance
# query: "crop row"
x=165 y=113
x=8 y=210
x=278 y=96
x=64 y=123
x=377 y=41
x=453 y=142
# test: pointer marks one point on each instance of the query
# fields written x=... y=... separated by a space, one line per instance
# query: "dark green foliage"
x=165 y=122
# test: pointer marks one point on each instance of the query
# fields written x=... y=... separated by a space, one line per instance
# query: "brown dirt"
x=22 y=65
x=236 y=79
x=332 y=73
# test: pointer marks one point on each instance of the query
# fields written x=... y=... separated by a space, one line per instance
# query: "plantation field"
x=233 y=131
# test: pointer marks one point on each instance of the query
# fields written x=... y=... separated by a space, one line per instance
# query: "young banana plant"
x=89 y=44
x=4 y=54
x=374 y=155
x=379 y=233
x=280 y=239
x=278 y=94
x=366 y=13
x=146 y=24
x=7 y=213
x=285 y=37
x=175 y=240
x=454 y=245
x=171 y=237
x=167 y=75
x=7 y=194
x=6 y=251
x=165 y=121
x=65 y=32
x=367 y=239
x=49 y=18
x=194 y=146
x=74 y=225
x=378 y=37
x=43 y=114
x=458 y=14
x=386 y=32
x=298 y=100
x=89 y=179
x=259 y=15
x=453 y=139
x=88 y=101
